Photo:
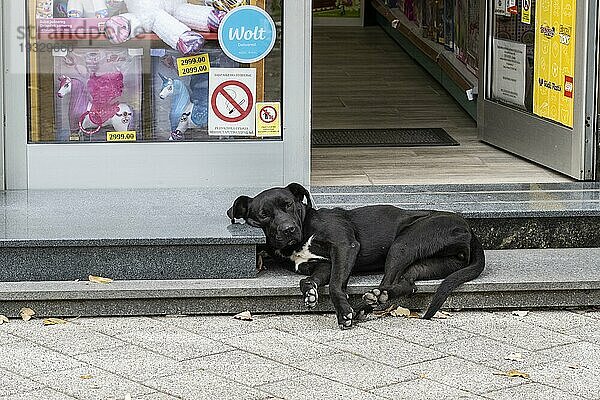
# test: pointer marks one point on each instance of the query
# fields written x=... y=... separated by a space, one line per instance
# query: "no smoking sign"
x=232 y=95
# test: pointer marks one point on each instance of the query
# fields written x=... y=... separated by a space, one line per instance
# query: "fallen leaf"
x=513 y=373
x=414 y=314
x=400 y=312
x=520 y=313
x=54 y=321
x=422 y=376
x=99 y=279
x=4 y=319
x=27 y=313
x=86 y=377
x=244 y=316
x=442 y=315
x=514 y=357
x=383 y=313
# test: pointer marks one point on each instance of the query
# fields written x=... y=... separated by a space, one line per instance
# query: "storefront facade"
x=50 y=144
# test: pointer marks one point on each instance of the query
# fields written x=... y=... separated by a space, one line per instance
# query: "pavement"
x=468 y=355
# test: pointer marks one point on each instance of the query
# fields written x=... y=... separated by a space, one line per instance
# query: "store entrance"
x=362 y=79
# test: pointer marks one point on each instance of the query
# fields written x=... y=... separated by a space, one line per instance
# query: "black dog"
x=330 y=244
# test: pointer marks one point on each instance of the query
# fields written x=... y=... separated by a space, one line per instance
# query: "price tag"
x=193 y=65
x=125 y=136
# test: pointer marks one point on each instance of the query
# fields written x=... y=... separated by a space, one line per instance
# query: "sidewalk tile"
x=156 y=396
x=509 y=329
x=423 y=389
x=43 y=394
x=419 y=331
x=132 y=362
x=11 y=383
x=356 y=371
x=279 y=346
x=320 y=328
x=247 y=368
x=582 y=381
x=70 y=339
x=29 y=359
x=387 y=350
x=6 y=338
x=557 y=321
x=465 y=375
x=310 y=387
x=95 y=384
x=577 y=354
x=492 y=353
x=114 y=326
x=200 y=385
x=173 y=342
x=589 y=332
x=216 y=327
x=531 y=391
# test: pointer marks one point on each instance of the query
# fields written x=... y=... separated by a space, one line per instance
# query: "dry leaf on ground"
x=513 y=373
x=383 y=313
x=400 y=312
x=442 y=315
x=4 y=319
x=86 y=377
x=244 y=316
x=99 y=279
x=55 y=321
x=27 y=313
x=520 y=313
x=514 y=357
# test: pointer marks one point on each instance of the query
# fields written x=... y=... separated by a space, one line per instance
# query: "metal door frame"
x=2 y=111
x=46 y=166
x=571 y=152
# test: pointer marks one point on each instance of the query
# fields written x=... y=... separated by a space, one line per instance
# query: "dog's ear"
x=239 y=209
x=300 y=193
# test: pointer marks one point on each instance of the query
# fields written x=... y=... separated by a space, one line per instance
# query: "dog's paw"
x=376 y=296
x=345 y=320
x=310 y=292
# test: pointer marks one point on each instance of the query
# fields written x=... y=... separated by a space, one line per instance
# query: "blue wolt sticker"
x=247 y=34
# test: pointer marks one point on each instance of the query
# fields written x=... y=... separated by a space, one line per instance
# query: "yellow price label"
x=125 y=136
x=193 y=65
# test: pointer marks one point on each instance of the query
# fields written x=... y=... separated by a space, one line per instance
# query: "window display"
x=136 y=70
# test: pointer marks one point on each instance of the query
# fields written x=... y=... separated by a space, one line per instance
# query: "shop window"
x=97 y=75
x=533 y=57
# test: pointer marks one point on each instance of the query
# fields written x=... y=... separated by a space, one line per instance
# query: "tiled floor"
x=306 y=356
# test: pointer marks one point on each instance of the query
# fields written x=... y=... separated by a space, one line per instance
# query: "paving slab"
x=29 y=359
x=531 y=391
x=200 y=385
x=386 y=350
x=42 y=394
x=216 y=326
x=580 y=354
x=452 y=371
x=11 y=383
x=279 y=346
x=353 y=370
x=423 y=389
x=90 y=383
x=582 y=381
x=315 y=387
x=247 y=368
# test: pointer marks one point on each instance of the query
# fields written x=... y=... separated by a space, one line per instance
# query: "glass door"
x=539 y=81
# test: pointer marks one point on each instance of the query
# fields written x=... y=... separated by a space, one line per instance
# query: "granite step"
x=506 y=216
x=524 y=279
x=124 y=234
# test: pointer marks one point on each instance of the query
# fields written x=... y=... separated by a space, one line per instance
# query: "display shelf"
x=442 y=63
x=100 y=37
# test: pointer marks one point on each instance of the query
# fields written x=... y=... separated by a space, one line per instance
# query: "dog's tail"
x=457 y=278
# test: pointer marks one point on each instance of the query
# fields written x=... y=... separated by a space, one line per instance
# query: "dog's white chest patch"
x=304 y=255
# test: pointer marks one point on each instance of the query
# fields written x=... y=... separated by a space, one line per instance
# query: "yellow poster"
x=554 y=65
x=268 y=119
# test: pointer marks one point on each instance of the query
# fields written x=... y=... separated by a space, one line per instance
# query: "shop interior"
x=363 y=79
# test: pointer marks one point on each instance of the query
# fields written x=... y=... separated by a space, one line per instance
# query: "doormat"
x=396 y=137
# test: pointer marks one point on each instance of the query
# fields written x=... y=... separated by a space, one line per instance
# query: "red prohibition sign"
x=268 y=114
x=220 y=90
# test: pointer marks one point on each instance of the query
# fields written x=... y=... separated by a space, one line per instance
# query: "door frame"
x=2 y=111
x=569 y=151
x=64 y=166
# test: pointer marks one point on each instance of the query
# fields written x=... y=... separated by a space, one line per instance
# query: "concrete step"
x=507 y=216
x=513 y=279
x=123 y=234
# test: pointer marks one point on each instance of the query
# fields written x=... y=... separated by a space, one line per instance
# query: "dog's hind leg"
x=321 y=272
x=440 y=235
